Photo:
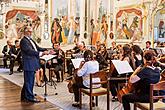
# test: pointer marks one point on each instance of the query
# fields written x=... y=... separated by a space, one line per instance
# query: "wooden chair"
x=96 y=91
x=68 y=55
x=153 y=105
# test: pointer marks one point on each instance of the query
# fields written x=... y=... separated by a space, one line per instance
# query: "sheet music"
x=76 y=62
x=122 y=67
x=47 y=57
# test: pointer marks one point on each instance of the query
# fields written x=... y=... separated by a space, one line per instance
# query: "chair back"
x=156 y=87
x=68 y=53
x=103 y=78
x=162 y=75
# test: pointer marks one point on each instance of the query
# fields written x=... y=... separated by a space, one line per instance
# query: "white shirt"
x=34 y=46
x=87 y=69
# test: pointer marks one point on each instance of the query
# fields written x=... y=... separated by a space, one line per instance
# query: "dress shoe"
x=34 y=101
x=76 y=104
x=11 y=72
x=23 y=99
x=38 y=85
x=19 y=70
x=114 y=99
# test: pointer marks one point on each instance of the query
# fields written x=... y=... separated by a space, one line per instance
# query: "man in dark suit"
x=15 y=55
x=30 y=59
x=5 y=51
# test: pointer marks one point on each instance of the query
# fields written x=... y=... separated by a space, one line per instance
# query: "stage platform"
x=10 y=98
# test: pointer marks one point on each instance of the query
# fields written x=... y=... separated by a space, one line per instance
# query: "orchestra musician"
x=137 y=55
x=102 y=57
x=57 y=62
x=144 y=76
x=77 y=52
x=161 y=62
x=126 y=56
x=86 y=68
x=5 y=51
x=15 y=53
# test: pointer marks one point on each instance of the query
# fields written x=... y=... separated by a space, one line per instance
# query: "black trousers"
x=114 y=86
x=12 y=61
x=58 y=67
x=69 y=66
x=131 y=98
x=5 y=58
x=76 y=87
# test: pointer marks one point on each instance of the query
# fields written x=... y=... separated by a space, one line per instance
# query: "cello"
x=75 y=79
x=129 y=86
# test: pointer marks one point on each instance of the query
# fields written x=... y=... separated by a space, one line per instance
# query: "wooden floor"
x=10 y=99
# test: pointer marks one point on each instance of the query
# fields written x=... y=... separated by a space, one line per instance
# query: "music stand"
x=122 y=67
x=76 y=62
x=46 y=58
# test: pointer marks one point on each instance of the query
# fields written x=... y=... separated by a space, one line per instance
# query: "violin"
x=162 y=59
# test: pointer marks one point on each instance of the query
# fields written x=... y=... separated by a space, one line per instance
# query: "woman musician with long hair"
x=144 y=76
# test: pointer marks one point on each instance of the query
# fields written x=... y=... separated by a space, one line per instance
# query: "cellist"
x=146 y=75
x=86 y=68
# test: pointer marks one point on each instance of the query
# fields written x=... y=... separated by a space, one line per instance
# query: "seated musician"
x=137 y=55
x=5 y=51
x=98 y=46
x=126 y=56
x=86 y=68
x=102 y=57
x=161 y=62
x=113 y=46
x=57 y=62
x=15 y=53
x=144 y=76
x=77 y=52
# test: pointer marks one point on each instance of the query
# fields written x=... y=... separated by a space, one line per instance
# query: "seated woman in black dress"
x=144 y=76
x=137 y=55
x=126 y=56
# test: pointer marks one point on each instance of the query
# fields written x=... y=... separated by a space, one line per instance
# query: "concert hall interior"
x=82 y=54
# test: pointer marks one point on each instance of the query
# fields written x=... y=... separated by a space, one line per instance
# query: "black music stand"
x=46 y=58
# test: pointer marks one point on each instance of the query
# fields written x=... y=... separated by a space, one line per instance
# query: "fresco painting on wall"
x=16 y=20
x=129 y=24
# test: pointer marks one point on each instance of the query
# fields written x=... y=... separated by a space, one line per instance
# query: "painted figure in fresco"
x=161 y=29
x=19 y=28
x=120 y=32
x=65 y=29
x=56 y=31
x=132 y=32
x=71 y=25
x=104 y=29
x=11 y=32
x=36 y=29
